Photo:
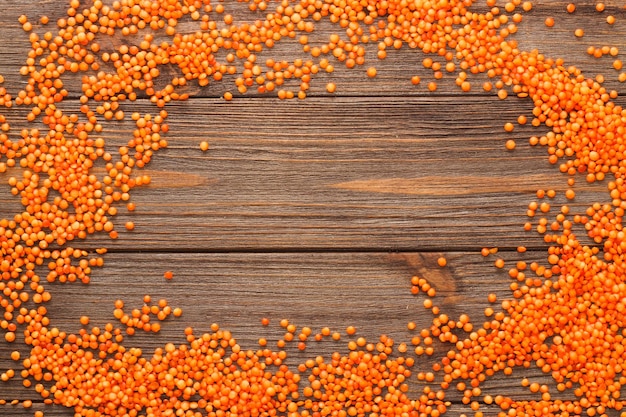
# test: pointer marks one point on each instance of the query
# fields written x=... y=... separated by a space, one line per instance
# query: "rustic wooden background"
x=320 y=211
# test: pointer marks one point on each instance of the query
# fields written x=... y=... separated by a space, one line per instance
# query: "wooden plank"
x=394 y=73
x=51 y=411
x=361 y=174
x=382 y=166
x=368 y=290
x=301 y=178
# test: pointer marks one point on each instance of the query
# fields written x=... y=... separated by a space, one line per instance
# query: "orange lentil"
x=442 y=261
x=549 y=22
x=579 y=277
x=510 y=144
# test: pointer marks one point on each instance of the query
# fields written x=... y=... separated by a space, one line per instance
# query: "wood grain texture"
x=394 y=73
x=302 y=209
x=368 y=290
x=360 y=174
x=381 y=165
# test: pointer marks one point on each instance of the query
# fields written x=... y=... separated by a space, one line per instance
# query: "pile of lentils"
x=566 y=317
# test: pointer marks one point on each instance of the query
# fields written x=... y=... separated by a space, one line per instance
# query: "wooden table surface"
x=320 y=211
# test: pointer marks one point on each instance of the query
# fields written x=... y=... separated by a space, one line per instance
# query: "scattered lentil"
x=581 y=289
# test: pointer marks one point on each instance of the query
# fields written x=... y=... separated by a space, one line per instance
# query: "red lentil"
x=566 y=318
